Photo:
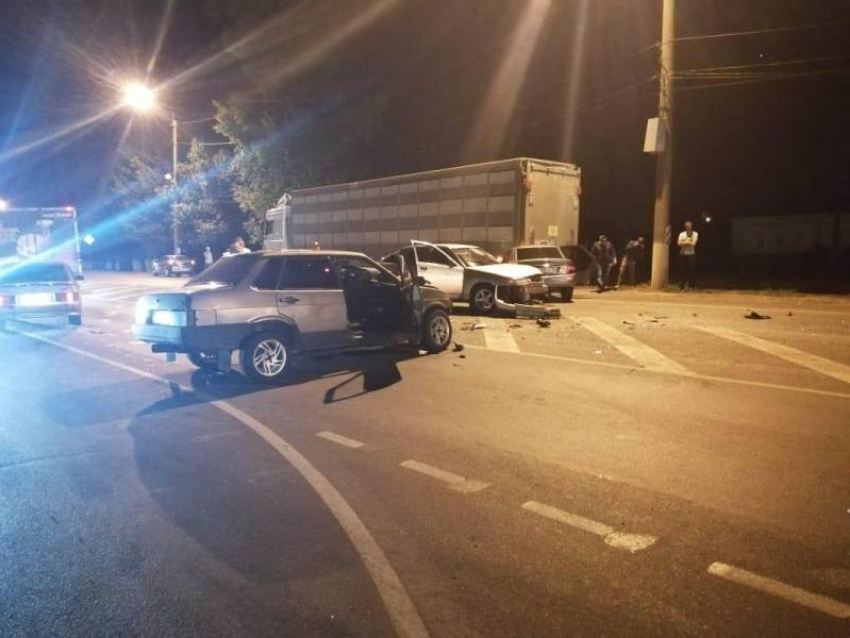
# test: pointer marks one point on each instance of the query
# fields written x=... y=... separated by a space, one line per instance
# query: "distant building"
x=788 y=234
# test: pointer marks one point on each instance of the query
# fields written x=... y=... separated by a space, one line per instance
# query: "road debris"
x=515 y=326
x=790 y=314
x=628 y=323
x=752 y=314
x=473 y=325
x=544 y=323
x=535 y=311
x=457 y=347
x=462 y=356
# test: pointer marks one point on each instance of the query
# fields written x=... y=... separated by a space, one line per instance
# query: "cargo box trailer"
x=495 y=205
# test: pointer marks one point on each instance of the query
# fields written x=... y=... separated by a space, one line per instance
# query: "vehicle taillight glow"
x=67 y=297
x=571 y=270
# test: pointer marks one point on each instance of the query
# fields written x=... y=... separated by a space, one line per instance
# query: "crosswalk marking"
x=501 y=341
x=636 y=350
x=812 y=361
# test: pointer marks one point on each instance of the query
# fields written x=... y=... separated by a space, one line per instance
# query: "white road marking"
x=341 y=440
x=454 y=481
x=777 y=588
x=636 y=350
x=501 y=341
x=812 y=361
x=403 y=614
x=621 y=540
x=688 y=374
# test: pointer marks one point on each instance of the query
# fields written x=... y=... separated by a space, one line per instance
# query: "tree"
x=306 y=144
x=141 y=196
x=206 y=211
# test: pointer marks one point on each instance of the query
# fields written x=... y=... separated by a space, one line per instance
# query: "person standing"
x=688 y=239
x=606 y=258
x=237 y=247
x=634 y=255
x=208 y=257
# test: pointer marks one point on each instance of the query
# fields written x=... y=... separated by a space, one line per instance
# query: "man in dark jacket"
x=634 y=256
x=606 y=258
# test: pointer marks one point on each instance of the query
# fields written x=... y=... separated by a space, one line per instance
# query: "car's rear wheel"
x=566 y=294
x=483 y=299
x=75 y=320
x=204 y=359
x=436 y=331
x=265 y=357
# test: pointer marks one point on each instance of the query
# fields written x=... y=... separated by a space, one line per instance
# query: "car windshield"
x=227 y=271
x=539 y=252
x=35 y=274
x=473 y=256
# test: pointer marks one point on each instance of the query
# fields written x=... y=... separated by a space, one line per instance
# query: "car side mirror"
x=78 y=277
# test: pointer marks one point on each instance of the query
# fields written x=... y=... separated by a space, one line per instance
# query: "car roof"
x=453 y=246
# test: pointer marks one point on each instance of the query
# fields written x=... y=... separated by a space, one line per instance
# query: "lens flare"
x=139 y=97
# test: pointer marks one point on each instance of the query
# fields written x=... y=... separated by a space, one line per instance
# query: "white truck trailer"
x=495 y=205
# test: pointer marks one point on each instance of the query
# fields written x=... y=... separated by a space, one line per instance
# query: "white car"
x=469 y=273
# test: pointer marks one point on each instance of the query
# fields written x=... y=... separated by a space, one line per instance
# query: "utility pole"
x=661 y=234
x=174 y=216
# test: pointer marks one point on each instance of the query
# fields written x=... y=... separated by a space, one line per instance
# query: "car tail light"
x=67 y=297
x=570 y=269
x=7 y=301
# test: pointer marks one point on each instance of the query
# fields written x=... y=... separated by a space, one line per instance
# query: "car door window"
x=269 y=276
x=378 y=274
x=309 y=273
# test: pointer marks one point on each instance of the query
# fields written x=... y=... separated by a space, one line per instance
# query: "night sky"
x=465 y=81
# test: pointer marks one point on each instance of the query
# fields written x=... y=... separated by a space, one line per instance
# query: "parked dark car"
x=172 y=265
x=559 y=273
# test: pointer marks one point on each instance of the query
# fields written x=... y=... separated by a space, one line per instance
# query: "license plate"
x=34 y=299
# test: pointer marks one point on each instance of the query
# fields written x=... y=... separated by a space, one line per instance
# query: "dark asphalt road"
x=128 y=507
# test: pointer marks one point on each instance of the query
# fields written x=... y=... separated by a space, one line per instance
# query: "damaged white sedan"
x=469 y=273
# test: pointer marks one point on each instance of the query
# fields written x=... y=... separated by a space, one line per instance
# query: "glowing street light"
x=4 y=205
x=139 y=97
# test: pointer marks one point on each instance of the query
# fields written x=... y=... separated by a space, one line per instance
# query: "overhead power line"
x=735 y=34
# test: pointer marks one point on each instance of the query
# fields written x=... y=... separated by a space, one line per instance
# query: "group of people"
x=605 y=256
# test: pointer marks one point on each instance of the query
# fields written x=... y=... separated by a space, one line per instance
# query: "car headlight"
x=169 y=317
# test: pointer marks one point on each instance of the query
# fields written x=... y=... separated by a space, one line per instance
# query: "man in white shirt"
x=688 y=256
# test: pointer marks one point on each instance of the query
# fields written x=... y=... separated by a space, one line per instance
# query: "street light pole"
x=174 y=215
x=661 y=233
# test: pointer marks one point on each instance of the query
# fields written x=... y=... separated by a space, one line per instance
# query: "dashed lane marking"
x=777 y=588
x=400 y=608
x=636 y=350
x=501 y=341
x=454 y=481
x=812 y=361
x=621 y=540
x=341 y=440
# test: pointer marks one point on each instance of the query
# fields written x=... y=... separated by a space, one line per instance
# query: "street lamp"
x=141 y=98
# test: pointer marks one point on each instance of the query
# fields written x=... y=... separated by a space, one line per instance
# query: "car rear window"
x=227 y=270
x=36 y=274
x=539 y=252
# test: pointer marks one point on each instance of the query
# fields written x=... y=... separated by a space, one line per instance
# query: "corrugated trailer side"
x=482 y=204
